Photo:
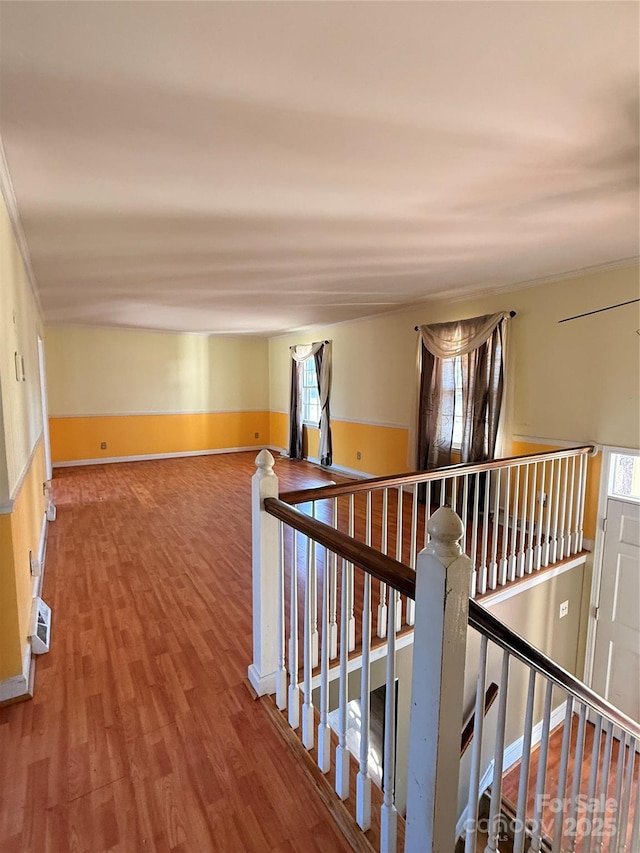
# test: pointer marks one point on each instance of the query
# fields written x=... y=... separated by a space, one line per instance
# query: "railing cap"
x=265 y=461
x=446 y=529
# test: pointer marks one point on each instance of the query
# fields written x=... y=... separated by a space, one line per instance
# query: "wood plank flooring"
x=602 y=822
x=142 y=735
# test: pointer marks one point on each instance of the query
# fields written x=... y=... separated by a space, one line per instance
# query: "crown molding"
x=8 y=193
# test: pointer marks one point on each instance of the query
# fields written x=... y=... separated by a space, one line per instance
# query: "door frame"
x=45 y=410
x=608 y=452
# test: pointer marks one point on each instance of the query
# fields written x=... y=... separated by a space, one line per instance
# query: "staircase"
x=333 y=615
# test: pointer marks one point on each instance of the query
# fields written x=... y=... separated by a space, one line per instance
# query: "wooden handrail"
x=379 y=565
x=467 y=732
x=500 y=634
x=333 y=491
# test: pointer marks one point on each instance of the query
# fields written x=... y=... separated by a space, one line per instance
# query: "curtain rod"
x=599 y=310
x=306 y=345
x=511 y=314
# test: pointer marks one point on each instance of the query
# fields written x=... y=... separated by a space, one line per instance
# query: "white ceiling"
x=256 y=167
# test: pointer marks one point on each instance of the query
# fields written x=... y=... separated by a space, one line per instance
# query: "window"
x=625 y=477
x=310 y=397
x=452 y=390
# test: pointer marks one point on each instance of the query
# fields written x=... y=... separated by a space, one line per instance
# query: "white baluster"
x=523 y=523
x=568 y=534
x=514 y=528
x=493 y=568
x=363 y=780
x=577 y=772
x=342 y=753
x=411 y=605
x=498 y=761
x=382 y=606
x=623 y=813
x=333 y=592
x=474 y=536
x=604 y=784
x=307 y=705
x=350 y=574
x=531 y=532
x=454 y=494
x=294 y=688
x=399 y=535
x=265 y=578
x=281 y=670
x=324 y=730
x=556 y=543
x=635 y=830
x=521 y=809
x=581 y=502
x=552 y=510
x=388 y=813
x=427 y=512
x=465 y=512
x=506 y=524
x=541 y=508
x=562 y=532
x=562 y=776
x=536 y=833
x=482 y=574
x=313 y=588
x=476 y=752
x=442 y=602
x=593 y=774
x=614 y=825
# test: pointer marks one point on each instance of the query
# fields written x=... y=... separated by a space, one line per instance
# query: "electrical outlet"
x=358 y=456
x=256 y=435
x=564 y=608
x=103 y=445
x=542 y=497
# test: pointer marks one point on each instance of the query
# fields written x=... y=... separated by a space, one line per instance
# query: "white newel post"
x=442 y=605
x=266 y=578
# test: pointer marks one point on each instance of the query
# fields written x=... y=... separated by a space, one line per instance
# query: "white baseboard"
x=342 y=469
x=150 y=456
x=529 y=580
x=19 y=686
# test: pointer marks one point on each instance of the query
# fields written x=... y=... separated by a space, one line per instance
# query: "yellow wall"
x=146 y=392
x=22 y=502
x=19 y=537
x=10 y=648
x=75 y=439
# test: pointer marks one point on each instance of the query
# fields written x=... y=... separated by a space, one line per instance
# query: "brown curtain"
x=323 y=373
x=295 y=412
x=321 y=353
x=479 y=342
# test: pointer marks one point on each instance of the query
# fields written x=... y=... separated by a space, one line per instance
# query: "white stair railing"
x=520 y=515
x=573 y=746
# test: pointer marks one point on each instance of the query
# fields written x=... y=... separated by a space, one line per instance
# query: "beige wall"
x=99 y=371
x=19 y=328
x=22 y=467
x=574 y=381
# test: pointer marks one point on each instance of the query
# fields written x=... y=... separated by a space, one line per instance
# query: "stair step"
x=343 y=812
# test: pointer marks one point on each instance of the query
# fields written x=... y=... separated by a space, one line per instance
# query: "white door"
x=616 y=671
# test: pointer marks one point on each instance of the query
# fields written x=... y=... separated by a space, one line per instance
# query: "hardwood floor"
x=602 y=822
x=142 y=734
